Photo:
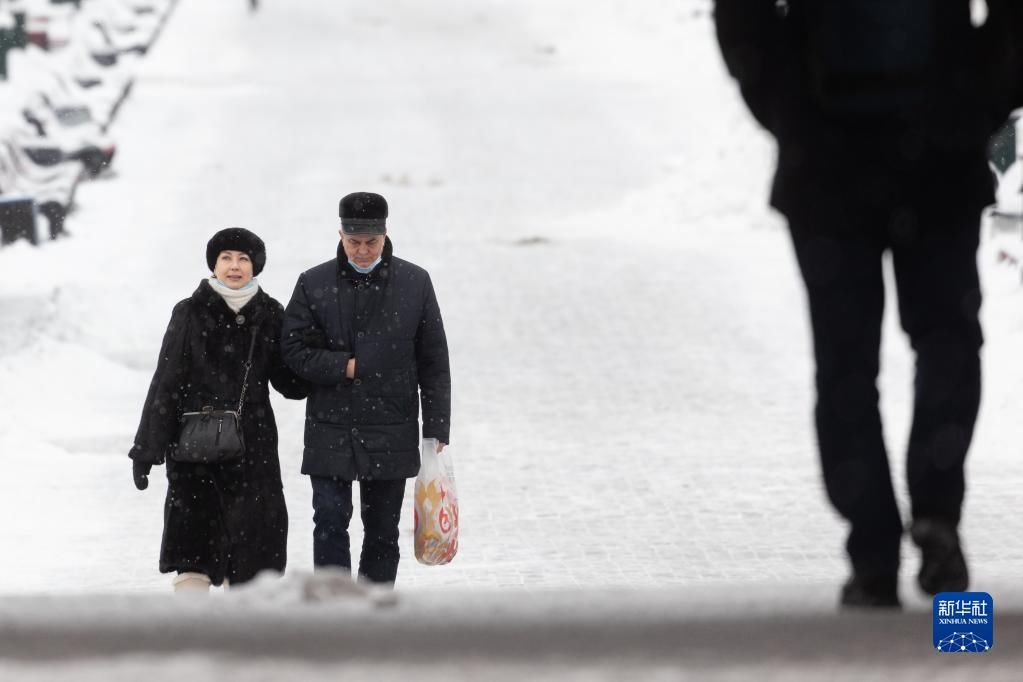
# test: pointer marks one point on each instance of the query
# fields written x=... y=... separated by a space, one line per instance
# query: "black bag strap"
x=248 y=367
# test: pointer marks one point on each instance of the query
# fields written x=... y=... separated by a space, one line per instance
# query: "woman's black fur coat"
x=227 y=520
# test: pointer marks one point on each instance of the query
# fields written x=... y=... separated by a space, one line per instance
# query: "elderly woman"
x=223 y=522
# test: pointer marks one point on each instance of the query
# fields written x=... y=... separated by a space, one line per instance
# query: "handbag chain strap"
x=248 y=367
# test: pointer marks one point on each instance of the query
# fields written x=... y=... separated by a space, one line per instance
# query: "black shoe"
x=943 y=566
x=871 y=592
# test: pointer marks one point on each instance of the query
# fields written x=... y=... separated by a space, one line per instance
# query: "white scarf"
x=234 y=298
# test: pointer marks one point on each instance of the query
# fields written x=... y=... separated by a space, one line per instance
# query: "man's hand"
x=440 y=447
x=140 y=472
x=350 y=368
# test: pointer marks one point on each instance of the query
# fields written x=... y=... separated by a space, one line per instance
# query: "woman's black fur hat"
x=237 y=239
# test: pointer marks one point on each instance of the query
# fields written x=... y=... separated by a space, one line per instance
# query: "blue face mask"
x=365 y=271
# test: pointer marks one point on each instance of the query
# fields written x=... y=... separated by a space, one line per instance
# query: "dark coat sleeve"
x=315 y=365
x=433 y=369
x=158 y=428
x=284 y=381
x=754 y=44
x=1002 y=41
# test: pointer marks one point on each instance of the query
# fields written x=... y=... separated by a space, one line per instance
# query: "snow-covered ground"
x=631 y=360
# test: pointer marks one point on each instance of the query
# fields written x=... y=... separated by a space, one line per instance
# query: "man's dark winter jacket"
x=226 y=520
x=961 y=95
x=389 y=321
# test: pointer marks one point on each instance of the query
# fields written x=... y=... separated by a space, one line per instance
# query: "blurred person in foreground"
x=365 y=330
x=882 y=110
x=223 y=523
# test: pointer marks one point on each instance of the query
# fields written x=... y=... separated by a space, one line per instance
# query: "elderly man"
x=365 y=329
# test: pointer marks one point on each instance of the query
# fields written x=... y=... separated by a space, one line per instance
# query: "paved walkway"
x=630 y=355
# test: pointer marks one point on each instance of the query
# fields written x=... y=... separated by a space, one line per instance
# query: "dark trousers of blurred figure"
x=380 y=506
x=933 y=246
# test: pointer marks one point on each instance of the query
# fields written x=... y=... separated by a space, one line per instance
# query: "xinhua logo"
x=964 y=622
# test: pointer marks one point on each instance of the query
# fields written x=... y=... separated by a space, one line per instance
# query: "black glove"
x=140 y=471
x=314 y=338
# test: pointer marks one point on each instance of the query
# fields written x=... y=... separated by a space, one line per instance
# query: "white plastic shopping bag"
x=436 y=507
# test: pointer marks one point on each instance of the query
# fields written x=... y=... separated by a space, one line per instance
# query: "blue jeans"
x=381 y=512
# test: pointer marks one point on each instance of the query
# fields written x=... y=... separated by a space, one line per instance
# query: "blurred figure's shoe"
x=871 y=592
x=943 y=566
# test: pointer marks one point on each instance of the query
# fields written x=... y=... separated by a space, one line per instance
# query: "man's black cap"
x=363 y=213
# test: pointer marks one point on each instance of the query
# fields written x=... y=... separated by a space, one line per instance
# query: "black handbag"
x=214 y=436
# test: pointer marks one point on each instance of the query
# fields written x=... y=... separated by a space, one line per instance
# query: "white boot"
x=191 y=582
